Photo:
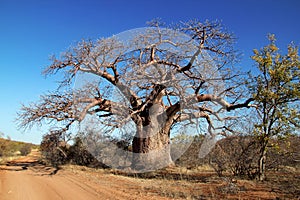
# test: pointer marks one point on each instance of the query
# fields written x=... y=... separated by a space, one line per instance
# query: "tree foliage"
x=276 y=92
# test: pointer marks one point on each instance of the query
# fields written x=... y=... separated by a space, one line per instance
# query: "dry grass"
x=182 y=183
x=4 y=160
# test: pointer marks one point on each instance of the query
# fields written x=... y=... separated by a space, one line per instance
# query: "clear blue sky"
x=32 y=30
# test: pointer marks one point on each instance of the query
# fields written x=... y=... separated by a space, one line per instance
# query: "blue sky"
x=32 y=30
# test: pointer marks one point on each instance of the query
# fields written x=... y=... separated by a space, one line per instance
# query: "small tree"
x=276 y=91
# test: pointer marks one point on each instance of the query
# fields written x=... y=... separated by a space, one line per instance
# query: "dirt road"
x=26 y=179
x=27 y=185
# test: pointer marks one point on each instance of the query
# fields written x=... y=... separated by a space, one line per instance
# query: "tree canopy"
x=276 y=91
x=157 y=79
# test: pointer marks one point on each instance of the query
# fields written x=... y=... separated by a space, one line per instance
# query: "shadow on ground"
x=31 y=162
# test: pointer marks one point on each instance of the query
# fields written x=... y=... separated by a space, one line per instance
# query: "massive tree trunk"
x=151 y=151
x=151 y=144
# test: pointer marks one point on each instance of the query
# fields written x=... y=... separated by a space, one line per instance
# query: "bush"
x=6 y=147
x=190 y=157
x=78 y=154
x=54 y=149
x=57 y=152
x=25 y=149
x=237 y=154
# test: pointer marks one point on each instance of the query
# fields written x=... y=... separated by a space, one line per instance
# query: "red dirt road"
x=16 y=185
x=34 y=182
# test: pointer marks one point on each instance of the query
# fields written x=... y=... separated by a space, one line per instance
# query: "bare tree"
x=165 y=77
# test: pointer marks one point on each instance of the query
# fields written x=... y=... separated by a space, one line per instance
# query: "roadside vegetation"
x=253 y=120
x=10 y=149
x=228 y=171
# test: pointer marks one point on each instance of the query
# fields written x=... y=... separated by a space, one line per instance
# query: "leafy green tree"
x=276 y=91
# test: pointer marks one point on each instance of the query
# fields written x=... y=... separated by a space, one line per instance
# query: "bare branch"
x=162 y=76
x=222 y=102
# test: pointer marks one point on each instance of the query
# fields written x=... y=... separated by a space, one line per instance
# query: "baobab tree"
x=156 y=79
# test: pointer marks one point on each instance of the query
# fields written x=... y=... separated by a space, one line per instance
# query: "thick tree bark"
x=151 y=151
x=151 y=144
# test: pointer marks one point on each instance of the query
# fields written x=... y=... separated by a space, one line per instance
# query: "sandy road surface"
x=25 y=185
x=34 y=182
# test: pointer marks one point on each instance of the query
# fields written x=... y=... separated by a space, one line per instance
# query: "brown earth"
x=28 y=179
